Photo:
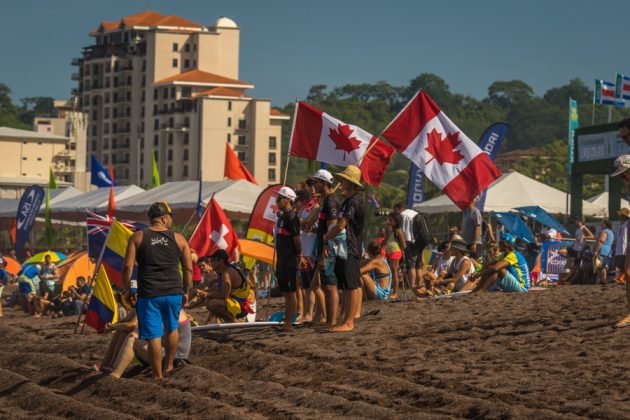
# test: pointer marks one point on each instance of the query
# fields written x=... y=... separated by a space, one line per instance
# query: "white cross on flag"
x=452 y=161
x=214 y=232
x=319 y=136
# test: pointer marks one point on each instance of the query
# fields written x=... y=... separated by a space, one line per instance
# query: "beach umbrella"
x=13 y=267
x=39 y=258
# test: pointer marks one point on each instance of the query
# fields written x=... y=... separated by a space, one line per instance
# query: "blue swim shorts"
x=509 y=283
x=155 y=314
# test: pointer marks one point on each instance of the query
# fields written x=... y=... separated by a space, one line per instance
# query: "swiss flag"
x=214 y=232
x=318 y=136
x=453 y=162
x=234 y=168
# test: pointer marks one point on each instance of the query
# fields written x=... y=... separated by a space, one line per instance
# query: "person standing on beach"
x=622 y=169
x=288 y=251
x=161 y=290
x=352 y=219
x=471 y=229
x=412 y=254
x=328 y=217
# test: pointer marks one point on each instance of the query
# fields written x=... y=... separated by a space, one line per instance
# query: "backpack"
x=422 y=235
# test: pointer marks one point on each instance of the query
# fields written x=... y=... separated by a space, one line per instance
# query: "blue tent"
x=538 y=214
x=514 y=224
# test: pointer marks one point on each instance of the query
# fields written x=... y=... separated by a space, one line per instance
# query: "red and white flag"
x=318 y=136
x=214 y=232
x=452 y=161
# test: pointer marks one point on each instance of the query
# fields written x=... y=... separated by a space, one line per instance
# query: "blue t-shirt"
x=518 y=267
x=606 y=249
x=84 y=290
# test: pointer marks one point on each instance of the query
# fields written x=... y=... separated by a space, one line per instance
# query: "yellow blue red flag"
x=102 y=308
x=114 y=252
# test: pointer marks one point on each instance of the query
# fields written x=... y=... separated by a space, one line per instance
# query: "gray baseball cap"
x=621 y=165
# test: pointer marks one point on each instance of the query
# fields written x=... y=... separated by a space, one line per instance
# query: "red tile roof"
x=204 y=78
x=275 y=112
x=223 y=91
x=149 y=18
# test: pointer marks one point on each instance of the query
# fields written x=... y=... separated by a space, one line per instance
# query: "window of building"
x=187 y=47
x=142 y=141
x=171 y=122
x=142 y=123
x=169 y=171
x=155 y=94
x=93 y=130
x=143 y=96
x=272 y=175
x=144 y=65
x=175 y=62
x=170 y=138
x=186 y=139
x=106 y=113
x=229 y=105
x=165 y=93
x=242 y=140
x=229 y=122
x=229 y=138
x=114 y=159
x=155 y=109
x=115 y=97
x=156 y=124
x=242 y=156
x=129 y=95
x=165 y=108
x=24 y=158
x=242 y=124
x=186 y=92
x=185 y=154
x=105 y=160
x=170 y=155
x=106 y=129
x=144 y=80
x=186 y=122
x=141 y=173
x=128 y=112
x=186 y=64
x=94 y=145
x=194 y=47
x=157 y=156
x=114 y=128
x=95 y=68
x=175 y=46
x=94 y=115
x=156 y=140
x=173 y=91
x=114 y=144
x=272 y=143
x=272 y=158
x=185 y=171
x=194 y=63
x=128 y=80
x=115 y=112
x=142 y=114
x=126 y=173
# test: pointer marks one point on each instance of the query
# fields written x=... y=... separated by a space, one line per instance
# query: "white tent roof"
x=8 y=207
x=601 y=200
x=95 y=200
x=512 y=190
x=236 y=196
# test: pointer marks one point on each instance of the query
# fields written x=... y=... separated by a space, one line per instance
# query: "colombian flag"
x=102 y=307
x=114 y=252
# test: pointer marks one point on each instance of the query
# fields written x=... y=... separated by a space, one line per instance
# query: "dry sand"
x=542 y=355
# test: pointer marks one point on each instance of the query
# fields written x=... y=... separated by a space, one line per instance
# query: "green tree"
x=9 y=116
x=35 y=105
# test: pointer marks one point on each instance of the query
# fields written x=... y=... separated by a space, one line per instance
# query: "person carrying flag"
x=159 y=251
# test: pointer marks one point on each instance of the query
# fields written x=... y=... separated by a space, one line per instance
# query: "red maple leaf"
x=344 y=139
x=444 y=150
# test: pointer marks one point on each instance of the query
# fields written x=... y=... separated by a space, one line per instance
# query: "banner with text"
x=415 y=186
x=490 y=143
x=30 y=203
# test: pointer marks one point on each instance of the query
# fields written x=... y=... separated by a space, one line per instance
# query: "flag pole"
x=96 y=268
x=286 y=169
x=204 y=213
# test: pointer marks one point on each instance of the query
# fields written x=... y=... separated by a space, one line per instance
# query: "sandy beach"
x=547 y=354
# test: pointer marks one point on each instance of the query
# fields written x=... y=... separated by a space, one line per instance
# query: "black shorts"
x=413 y=257
x=307 y=278
x=287 y=278
x=348 y=272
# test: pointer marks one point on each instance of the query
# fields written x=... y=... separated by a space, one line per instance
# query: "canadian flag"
x=214 y=232
x=318 y=136
x=452 y=161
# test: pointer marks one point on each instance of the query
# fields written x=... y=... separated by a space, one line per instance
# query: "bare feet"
x=393 y=296
x=342 y=328
x=307 y=319
x=625 y=322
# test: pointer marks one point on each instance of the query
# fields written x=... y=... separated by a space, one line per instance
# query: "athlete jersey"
x=518 y=267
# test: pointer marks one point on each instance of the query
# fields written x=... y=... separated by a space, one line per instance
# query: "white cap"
x=287 y=192
x=622 y=164
x=323 y=175
x=551 y=232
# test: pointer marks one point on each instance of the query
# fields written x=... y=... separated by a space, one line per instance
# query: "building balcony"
x=74 y=91
x=76 y=61
x=183 y=127
x=75 y=76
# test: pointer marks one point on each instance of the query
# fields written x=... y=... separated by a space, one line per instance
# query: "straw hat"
x=352 y=174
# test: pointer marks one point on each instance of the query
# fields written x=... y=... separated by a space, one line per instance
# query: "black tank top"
x=158 y=257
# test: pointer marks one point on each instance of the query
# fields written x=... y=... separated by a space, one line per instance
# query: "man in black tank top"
x=158 y=252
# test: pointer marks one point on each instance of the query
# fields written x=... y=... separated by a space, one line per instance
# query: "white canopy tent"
x=512 y=190
x=95 y=200
x=8 y=207
x=234 y=196
x=601 y=200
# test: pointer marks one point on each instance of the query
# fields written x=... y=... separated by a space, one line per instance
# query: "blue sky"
x=289 y=45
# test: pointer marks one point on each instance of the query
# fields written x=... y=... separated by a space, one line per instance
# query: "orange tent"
x=12 y=266
x=76 y=265
x=257 y=250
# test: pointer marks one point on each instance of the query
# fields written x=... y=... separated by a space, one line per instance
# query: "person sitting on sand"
x=441 y=265
x=42 y=299
x=231 y=300
x=376 y=275
x=456 y=278
x=184 y=329
x=120 y=351
x=511 y=274
x=199 y=292
x=80 y=294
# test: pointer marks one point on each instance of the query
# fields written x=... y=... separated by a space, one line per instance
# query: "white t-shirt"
x=307 y=238
x=462 y=281
x=622 y=238
x=407 y=224
x=443 y=264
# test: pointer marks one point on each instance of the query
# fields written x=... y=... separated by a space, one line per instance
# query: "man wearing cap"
x=352 y=219
x=621 y=242
x=161 y=290
x=231 y=301
x=328 y=216
x=288 y=252
x=511 y=274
